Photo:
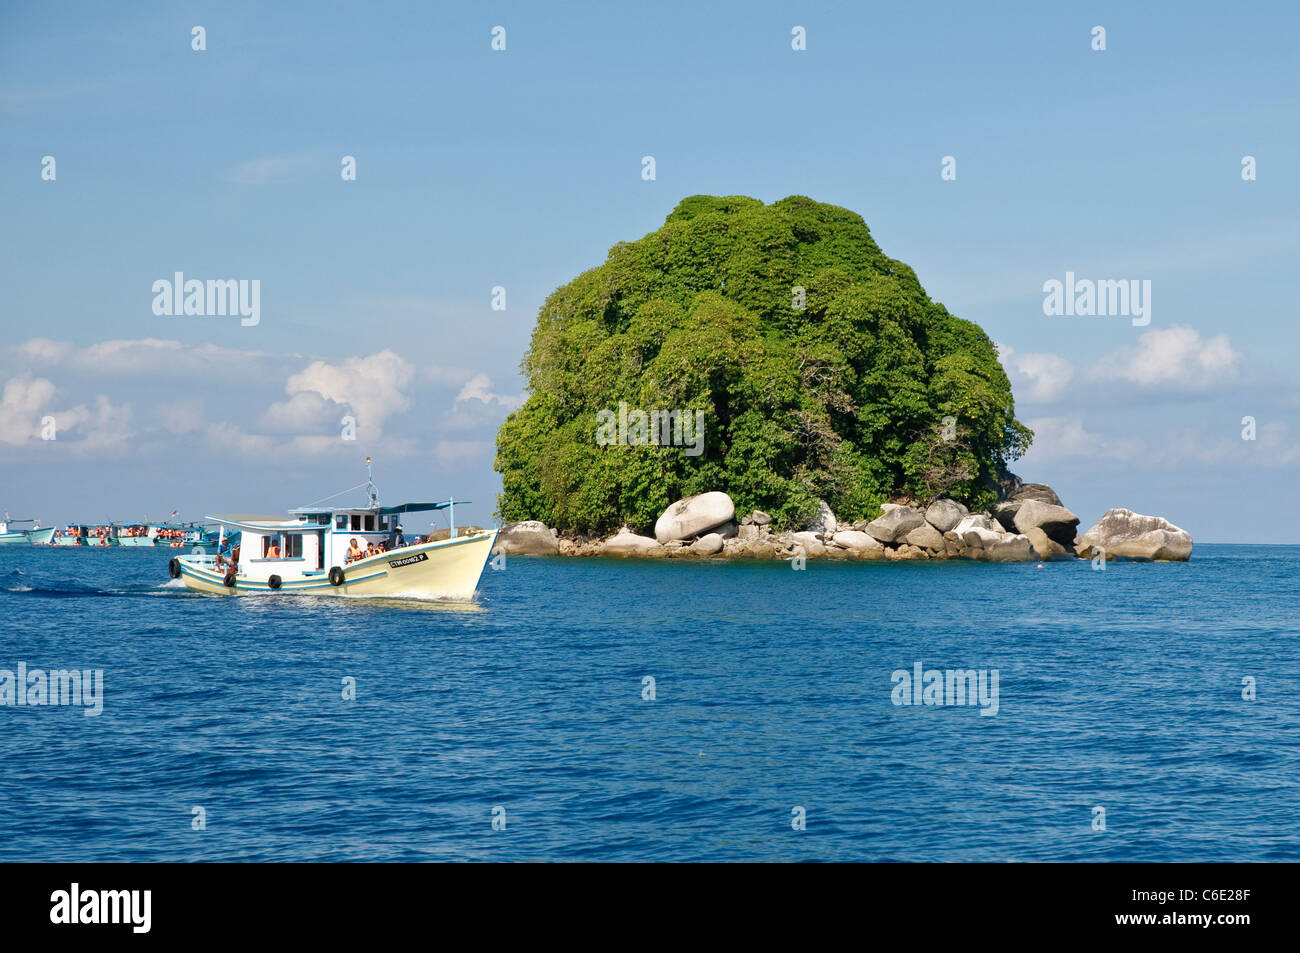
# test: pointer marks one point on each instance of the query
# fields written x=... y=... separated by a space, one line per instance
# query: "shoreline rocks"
x=1031 y=525
x=1123 y=534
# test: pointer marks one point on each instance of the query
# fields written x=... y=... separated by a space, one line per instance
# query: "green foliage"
x=844 y=400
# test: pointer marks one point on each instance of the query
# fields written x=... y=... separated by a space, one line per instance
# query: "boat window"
x=292 y=547
x=356 y=523
x=341 y=521
x=370 y=522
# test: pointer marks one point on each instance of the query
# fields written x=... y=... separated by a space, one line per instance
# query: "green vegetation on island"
x=859 y=390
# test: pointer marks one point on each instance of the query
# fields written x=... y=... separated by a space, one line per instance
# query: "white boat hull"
x=447 y=570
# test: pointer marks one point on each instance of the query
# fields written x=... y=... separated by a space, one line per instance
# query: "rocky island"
x=761 y=381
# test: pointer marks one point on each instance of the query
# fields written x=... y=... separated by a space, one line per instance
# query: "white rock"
x=694 y=516
x=627 y=543
x=708 y=545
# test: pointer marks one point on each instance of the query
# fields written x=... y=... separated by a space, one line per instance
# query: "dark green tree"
x=860 y=391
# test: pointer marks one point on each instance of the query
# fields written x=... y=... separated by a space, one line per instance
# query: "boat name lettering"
x=407 y=560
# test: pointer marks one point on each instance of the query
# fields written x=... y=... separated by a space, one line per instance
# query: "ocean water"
x=1120 y=690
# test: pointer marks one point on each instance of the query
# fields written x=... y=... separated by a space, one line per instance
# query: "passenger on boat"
x=273 y=551
x=354 y=552
x=223 y=553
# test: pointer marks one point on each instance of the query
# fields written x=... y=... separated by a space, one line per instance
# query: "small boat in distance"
x=346 y=551
x=24 y=537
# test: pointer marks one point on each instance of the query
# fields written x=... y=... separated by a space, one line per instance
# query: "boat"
x=134 y=534
x=71 y=535
x=307 y=552
x=24 y=537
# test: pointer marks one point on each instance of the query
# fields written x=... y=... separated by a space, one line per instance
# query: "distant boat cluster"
x=172 y=535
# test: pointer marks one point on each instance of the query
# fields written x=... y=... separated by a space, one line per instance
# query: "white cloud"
x=21 y=407
x=26 y=403
x=306 y=412
x=1172 y=358
x=372 y=387
x=477 y=406
x=1041 y=377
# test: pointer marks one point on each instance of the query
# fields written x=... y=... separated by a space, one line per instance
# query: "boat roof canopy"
x=383 y=510
x=300 y=517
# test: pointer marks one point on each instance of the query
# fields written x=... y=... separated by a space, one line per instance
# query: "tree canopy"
x=858 y=390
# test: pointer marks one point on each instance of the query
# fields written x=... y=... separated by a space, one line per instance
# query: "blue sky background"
x=520 y=168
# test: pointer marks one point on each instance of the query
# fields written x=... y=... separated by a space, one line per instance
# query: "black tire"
x=174 y=568
x=273 y=581
x=336 y=576
x=229 y=581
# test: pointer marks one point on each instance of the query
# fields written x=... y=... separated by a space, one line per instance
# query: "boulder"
x=529 y=538
x=1044 y=546
x=1005 y=512
x=1124 y=534
x=926 y=537
x=759 y=518
x=1005 y=515
x=1040 y=492
x=976 y=521
x=906 y=552
x=694 y=516
x=628 y=543
x=1056 y=521
x=823 y=524
x=895 y=523
x=763 y=548
x=862 y=544
x=1007 y=548
x=943 y=515
x=728 y=530
x=708 y=545
x=809 y=542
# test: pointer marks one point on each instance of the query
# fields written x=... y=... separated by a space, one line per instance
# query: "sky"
x=480 y=169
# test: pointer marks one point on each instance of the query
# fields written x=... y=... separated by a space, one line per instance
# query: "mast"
x=371 y=490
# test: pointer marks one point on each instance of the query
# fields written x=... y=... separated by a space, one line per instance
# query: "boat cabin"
x=312 y=540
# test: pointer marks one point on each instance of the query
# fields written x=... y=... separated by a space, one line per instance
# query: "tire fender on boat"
x=273 y=581
x=229 y=581
x=174 y=568
x=336 y=576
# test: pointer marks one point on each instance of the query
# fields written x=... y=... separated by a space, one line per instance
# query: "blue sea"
x=772 y=702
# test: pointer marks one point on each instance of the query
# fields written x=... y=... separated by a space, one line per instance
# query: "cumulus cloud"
x=27 y=414
x=21 y=407
x=372 y=387
x=306 y=412
x=1172 y=358
x=1041 y=377
x=478 y=406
